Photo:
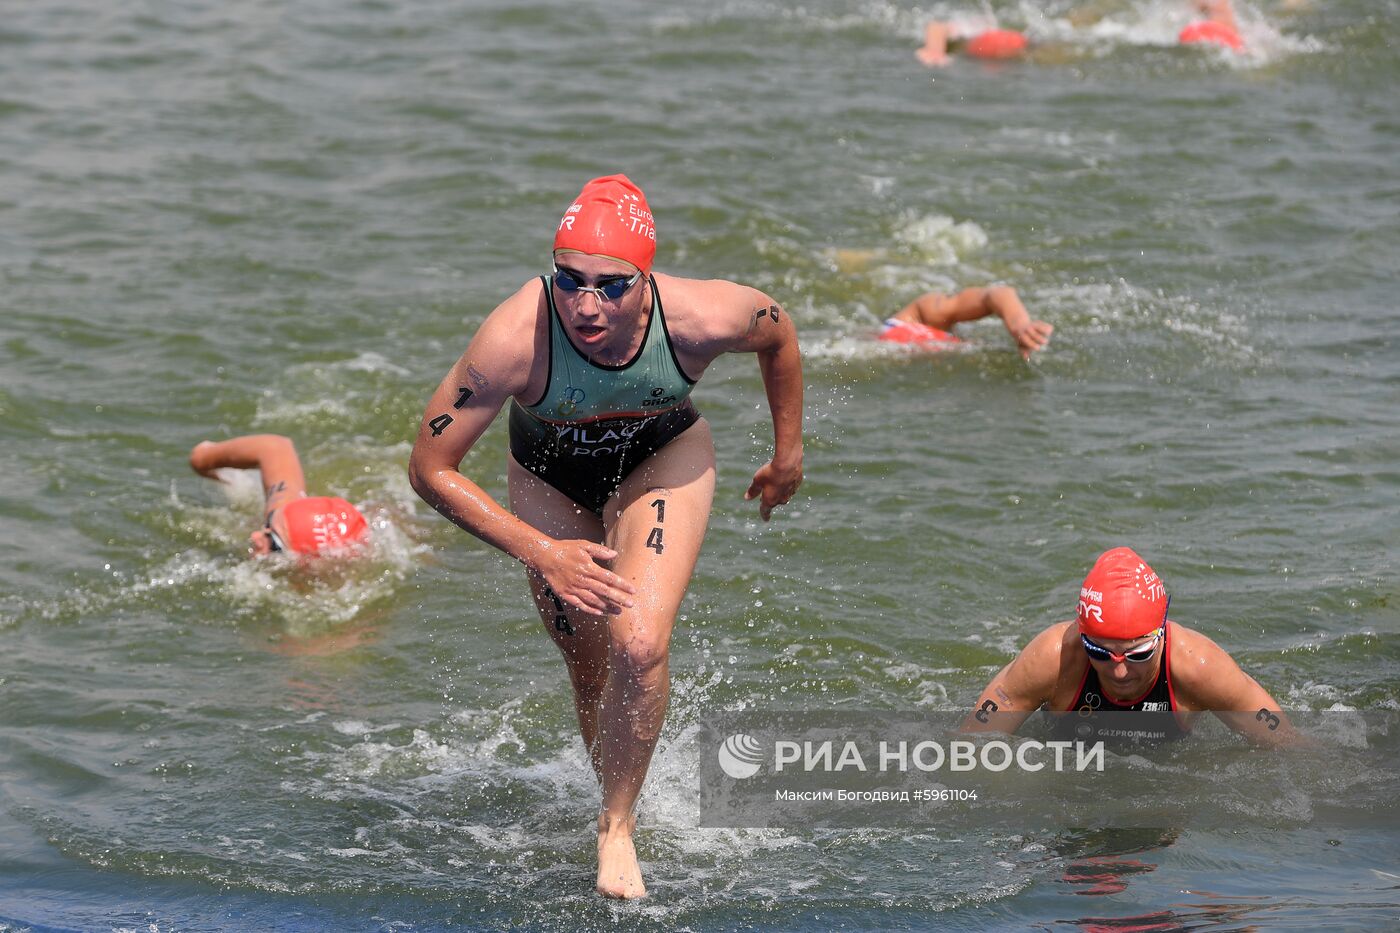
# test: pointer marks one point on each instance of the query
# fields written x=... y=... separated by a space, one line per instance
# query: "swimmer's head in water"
x=610 y=217
x=1210 y=32
x=996 y=43
x=914 y=333
x=322 y=523
x=1121 y=597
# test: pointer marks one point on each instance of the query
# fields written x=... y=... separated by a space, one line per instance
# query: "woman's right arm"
x=1021 y=687
x=495 y=367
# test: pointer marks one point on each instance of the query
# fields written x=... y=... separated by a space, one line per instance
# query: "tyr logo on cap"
x=1121 y=597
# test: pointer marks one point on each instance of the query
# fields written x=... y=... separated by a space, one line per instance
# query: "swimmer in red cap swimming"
x=941 y=38
x=292 y=520
x=1121 y=653
x=928 y=320
x=611 y=468
x=1218 y=28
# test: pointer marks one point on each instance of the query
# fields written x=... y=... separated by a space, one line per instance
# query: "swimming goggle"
x=610 y=288
x=1139 y=655
x=274 y=540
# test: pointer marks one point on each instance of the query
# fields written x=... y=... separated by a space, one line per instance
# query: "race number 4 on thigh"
x=658 y=518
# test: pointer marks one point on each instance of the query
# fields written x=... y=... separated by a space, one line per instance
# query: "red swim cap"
x=912 y=332
x=996 y=43
x=610 y=217
x=322 y=523
x=1121 y=597
x=1209 y=32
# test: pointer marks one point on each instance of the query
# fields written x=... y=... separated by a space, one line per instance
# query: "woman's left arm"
x=769 y=332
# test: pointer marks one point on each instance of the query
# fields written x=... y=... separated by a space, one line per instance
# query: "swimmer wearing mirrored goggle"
x=1122 y=654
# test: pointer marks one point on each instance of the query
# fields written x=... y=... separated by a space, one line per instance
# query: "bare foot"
x=619 y=874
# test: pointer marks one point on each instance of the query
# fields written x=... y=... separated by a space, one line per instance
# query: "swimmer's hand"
x=202 y=461
x=774 y=485
x=1031 y=336
x=933 y=57
x=574 y=571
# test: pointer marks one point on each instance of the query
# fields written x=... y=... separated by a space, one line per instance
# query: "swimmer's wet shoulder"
x=710 y=317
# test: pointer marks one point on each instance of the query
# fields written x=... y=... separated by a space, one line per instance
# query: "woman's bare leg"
x=656 y=523
x=581 y=638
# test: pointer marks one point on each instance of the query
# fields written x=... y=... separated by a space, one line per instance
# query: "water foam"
x=1157 y=23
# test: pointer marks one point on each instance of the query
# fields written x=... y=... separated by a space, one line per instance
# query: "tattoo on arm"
x=771 y=312
x=274 y=489
x=477 y=377
x=439 y=424
x=462 y=399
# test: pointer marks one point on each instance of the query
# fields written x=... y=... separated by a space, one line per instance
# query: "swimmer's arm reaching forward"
x=272 y=455
x=1021 y=687
x=934 y=51
x=970 y=304
x=496 y=366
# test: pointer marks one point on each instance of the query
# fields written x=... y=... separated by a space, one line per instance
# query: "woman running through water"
x=611 y=469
